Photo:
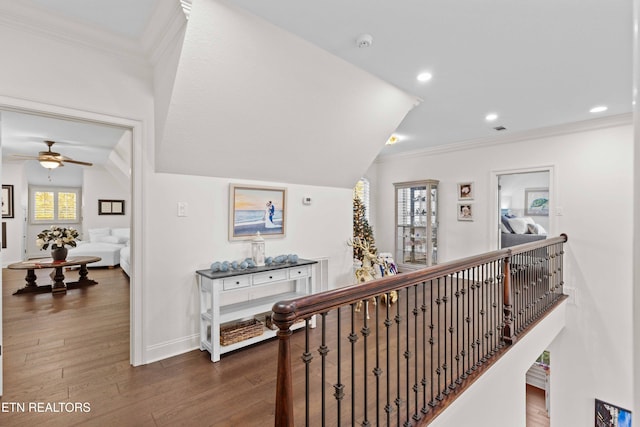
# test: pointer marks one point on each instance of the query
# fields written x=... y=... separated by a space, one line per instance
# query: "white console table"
x=240 y=294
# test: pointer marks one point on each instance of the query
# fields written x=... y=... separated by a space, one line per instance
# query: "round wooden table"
x=59 y=286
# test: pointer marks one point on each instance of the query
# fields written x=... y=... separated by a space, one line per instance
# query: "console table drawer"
x=297 y=273
x=236 y=282
x=271 y=276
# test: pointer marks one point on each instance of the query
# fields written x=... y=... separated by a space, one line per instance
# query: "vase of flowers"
x=58 y=238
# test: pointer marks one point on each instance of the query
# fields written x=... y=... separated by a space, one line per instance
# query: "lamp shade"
x=49 y=164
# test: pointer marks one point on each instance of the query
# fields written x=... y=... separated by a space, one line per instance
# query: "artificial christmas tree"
x=361 y=230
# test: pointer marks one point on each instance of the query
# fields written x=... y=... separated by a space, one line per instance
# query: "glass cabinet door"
x=416 y=224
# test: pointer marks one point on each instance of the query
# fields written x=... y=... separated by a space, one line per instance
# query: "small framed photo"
x=465 y=191
x=255 y=209
x=7 y=201
x=110 y=207
x=465 y=211
x=536 y=201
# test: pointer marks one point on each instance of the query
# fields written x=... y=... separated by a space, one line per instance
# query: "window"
x=54 y=204
x=361 y=190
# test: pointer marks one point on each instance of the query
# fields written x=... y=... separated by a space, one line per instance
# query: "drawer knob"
x=237 y=283
x=270 y=277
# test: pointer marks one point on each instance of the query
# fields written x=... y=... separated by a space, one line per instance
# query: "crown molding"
x=544 y=132
x=45 y=23
x=167 y=22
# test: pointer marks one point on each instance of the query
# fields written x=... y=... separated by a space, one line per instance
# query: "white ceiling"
x=536 y=64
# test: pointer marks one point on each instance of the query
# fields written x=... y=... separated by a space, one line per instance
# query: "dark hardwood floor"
x=75 y=348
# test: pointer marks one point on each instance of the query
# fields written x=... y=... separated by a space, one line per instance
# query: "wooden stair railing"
x=450 y=321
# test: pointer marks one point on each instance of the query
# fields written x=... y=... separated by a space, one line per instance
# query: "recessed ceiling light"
x=424 y=77
x=393 y=139
x=491 y=117
x=598 y=109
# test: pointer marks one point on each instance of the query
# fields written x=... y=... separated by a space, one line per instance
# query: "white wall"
x=99 y=184
x=171 y=248
x=593 y=178
x=13 y=174
x=505 y=404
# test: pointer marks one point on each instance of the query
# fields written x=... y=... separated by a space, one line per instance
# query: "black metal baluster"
x=451 y=329
x=387 y=324
x=323 y=350
x=425 y=408
x=307 y=357
x=353 y=338
x=467 y=320
x=458 y=377
x=432 y=400
x=338 y=386
x=473 y=313
x=439 y=397
x=377 y=371
x=398 y=401
x=445 y=365
x=365 y=334
x=407 y=362
x=416 y=373
x=492 y=323
x=482 y=303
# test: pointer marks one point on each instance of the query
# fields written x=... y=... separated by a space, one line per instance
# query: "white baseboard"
x=156 y=352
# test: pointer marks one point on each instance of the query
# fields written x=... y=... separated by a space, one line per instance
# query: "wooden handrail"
x=287 y=312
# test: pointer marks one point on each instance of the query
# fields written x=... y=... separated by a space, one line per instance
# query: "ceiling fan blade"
x=23 y=156
x=77 y=162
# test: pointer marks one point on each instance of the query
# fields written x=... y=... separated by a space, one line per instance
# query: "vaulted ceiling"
x=533 y=64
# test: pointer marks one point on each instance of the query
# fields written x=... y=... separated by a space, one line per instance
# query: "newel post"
x=283 y=316
x=508 y=332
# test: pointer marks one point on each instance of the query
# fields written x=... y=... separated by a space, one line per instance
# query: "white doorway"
x=134 y=130
x=523 y=205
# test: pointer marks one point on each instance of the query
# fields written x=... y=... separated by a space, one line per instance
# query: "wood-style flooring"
x=75 y=348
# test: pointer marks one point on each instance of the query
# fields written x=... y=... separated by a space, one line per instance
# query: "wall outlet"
x=182 y=208
x=306 y=200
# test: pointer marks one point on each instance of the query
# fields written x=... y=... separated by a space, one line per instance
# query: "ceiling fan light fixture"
x=49 y=163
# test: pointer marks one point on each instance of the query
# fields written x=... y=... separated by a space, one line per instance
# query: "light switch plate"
x=182 y=209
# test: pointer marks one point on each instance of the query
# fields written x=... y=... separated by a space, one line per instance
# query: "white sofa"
x=105 y=243
x=125 y=260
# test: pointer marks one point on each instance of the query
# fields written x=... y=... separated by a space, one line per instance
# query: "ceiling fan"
x=51 y=160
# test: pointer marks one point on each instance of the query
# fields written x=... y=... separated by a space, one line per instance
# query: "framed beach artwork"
x=465 y=191
x=253 y=209
x=465 y=212
x=536 y=201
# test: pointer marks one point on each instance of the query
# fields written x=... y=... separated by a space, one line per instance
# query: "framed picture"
x=4 y=235
x=253 y=209
x=465 y=212
x=611 y=415
x=536 y=201
x=465 y=191
x=110 y=207
x=7 y=201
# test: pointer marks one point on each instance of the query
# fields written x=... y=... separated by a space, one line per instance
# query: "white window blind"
x=54 y=205
x=361 y=190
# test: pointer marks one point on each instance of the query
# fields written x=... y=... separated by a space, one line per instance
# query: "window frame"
x=56 y=190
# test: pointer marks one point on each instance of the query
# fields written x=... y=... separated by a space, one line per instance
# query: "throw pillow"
x=505 y=221
x=536 y=229
x=96 y=234
x=113 y=239
x=504 y=228
x=519 y=225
